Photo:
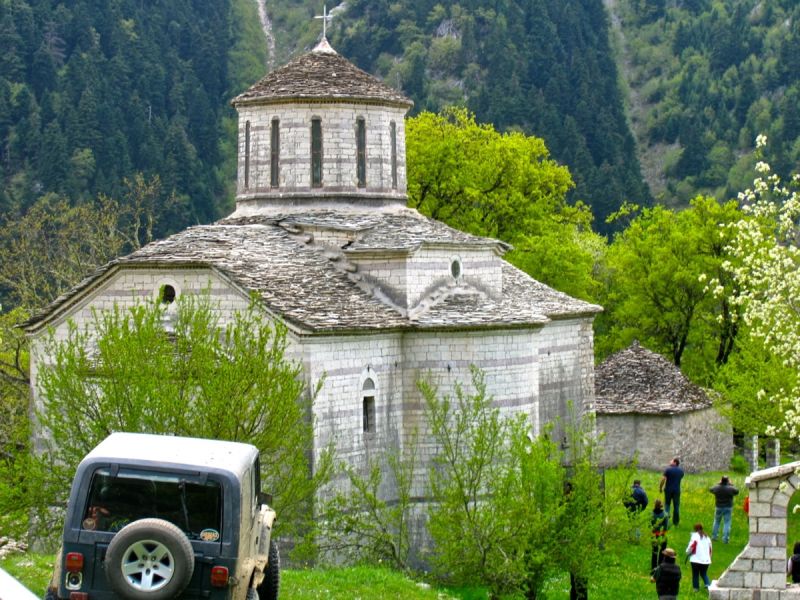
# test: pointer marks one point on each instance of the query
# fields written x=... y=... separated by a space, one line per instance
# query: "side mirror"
x=264 y=498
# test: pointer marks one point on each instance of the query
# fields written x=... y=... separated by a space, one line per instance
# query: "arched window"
x=275 y=153
x=368 y=405
x=361 y=152
x=316 y=152
x=393 y=131
x=247 y=154
x=167 y=294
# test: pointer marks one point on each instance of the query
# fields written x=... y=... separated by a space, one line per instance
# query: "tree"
x=505 y=186
x=510 y=509
x=14 y=425
x=656 y=273
x=54 y=244
x=179 y=369
x=767 y=269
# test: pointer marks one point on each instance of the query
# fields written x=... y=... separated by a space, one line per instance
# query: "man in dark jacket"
x=670 y=484
x=667 y=577
x=638 y=500
x=724 y=493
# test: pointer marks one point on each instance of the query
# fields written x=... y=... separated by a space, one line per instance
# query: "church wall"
x=345 y=362
x=566 y=355
x=408 y=280
x=125 y=288
x=338 y=143
x=431 y=268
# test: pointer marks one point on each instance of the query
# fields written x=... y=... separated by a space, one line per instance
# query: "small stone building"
x=759 y=572
x=375 y=295
x=647 y=409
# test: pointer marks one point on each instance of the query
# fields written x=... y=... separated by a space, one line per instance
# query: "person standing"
x=723 y=493
x=699 y=551
x=659 y=524
x=670 y=484
x=667 y=577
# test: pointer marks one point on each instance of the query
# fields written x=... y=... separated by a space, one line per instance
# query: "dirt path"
x=266 y=25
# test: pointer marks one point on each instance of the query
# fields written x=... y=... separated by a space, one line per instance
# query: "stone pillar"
x=753 y=454
x=759 y=572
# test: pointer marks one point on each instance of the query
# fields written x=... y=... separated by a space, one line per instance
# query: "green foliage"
x=740 y=465
x=197 y=377
x=92 y=93
x=14 y=424
x=510 y=510
x=656 y=276
x=542 y=67
x=54 y=244
x=715 y=75
x=361 y=526
x=502 y=185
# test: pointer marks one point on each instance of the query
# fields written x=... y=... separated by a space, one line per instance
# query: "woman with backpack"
x=659 y=524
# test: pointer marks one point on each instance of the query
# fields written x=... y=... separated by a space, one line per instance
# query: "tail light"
x=219 y=576
x=78 y=596
x=73 y=562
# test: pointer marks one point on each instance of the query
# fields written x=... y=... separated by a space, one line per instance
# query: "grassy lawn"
x=624 y=577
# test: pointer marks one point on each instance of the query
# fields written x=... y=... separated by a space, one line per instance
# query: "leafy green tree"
x=179 y=369
x=14 y=425
x=656 y=276
x=509 y=509
x=502 y=185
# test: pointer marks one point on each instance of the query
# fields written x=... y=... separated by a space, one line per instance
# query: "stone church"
x=375 y=295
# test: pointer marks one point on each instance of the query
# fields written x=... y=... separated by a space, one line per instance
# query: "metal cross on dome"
x=325 y=18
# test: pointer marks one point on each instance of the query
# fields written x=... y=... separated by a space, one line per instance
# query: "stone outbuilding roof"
x=637 y=380
x=316 y=288
x=320 y=74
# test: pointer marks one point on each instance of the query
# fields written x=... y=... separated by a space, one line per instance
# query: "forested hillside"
x=92 y=92
x=705 y=78
x=540 y=66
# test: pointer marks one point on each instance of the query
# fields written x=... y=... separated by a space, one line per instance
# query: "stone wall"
x=702 y=439
x=759 y=572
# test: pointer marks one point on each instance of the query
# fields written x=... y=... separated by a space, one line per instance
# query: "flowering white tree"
x=766 y=266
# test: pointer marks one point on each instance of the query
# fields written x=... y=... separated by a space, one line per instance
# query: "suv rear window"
x=192 y=504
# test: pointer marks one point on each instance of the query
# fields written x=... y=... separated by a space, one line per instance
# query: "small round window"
x=167 y=295
x=455 y=268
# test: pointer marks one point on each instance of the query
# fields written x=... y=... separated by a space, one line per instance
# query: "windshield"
x=116 y=500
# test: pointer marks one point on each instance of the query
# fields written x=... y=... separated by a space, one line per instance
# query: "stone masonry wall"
x=338 y=148
x=566 y=375
x=759 y=572
x=409 y=280
x=702 y=439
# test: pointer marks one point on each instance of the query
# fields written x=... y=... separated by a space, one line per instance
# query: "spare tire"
x=149 y=559
x=270 y=585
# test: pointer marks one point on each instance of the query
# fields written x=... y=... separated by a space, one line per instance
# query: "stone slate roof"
x=319 y=291
x=320 y=74
x=636 y=380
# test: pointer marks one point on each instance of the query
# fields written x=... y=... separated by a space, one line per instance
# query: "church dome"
x=320 y=132
x=321 y=74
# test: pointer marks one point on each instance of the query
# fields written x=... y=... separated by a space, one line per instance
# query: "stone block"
x=764 y=539
x=777 y=510
x=760 y=509
x=771 y=525
x=762 y=566
x=774 y=580
x=731 y=579
x=752 y=580
x=753 y=552
x=775 y=553
x=741 y=594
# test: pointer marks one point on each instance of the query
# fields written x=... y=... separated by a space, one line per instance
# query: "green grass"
x=624 y=577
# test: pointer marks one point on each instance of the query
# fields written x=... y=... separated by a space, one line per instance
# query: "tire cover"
x=149 y=559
